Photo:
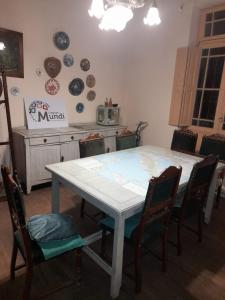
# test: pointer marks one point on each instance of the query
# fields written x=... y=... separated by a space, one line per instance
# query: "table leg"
x=117 y=262
x=55 y=195
x=211 y=197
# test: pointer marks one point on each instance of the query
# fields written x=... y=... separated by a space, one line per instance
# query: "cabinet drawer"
x=70 y=137
x=44 y=140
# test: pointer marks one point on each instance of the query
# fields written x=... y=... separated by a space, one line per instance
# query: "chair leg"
x=200 y=225
x=78 y=265
x=13 y=260
x=164 y=251
x=82 y=208
x=138 y=273
x=28 y=282
x=218 y=196
x=103 y=244
x=179 y=246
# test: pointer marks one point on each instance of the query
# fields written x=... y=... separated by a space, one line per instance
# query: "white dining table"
x=117 y=183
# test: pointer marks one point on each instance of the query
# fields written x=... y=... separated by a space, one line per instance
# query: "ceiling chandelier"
x=115 y=14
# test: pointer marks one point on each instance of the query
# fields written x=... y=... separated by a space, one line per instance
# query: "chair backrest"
x=198 y=185
x=16 y=208
x=126 y=142
x=92 y=147
x=160 y=198
x=214 y=144
x=184 y=141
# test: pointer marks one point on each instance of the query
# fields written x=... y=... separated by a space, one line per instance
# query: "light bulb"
x=116 y=18
x=152 y=17
x=2 y=46
x=97 y=9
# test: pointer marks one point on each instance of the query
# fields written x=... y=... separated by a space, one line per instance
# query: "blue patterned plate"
x=80 y=107
x=61 y=40
x=68 y=60
x=76 y=86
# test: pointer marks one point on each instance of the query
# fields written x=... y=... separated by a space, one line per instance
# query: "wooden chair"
x=215 y=144
x=59 y=239
x=153 y=221
x=126 y=142
x=184 y=141
x=90 y=148
x=193 y=198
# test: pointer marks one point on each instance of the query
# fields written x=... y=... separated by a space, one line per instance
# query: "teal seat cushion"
x=54 y=248
x=50 y=236
x=49 y=227
x=152 y=231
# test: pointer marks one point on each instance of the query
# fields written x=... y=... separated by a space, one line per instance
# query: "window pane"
x=202 y=72
x=217 y=51
x=205 y=52
x=219 y=28
x=219 y=15
x=197 y=104
x=206 y=124
x=208 y=27
x=209 y=104
x=214 y=72
x=208 y=17
x=194 y=122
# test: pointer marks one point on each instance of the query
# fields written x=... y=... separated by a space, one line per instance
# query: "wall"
x=39 y=20
x=150 y=68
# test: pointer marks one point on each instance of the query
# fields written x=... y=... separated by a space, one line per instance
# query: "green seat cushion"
x=152 y=231
x=52 y=249
x=126 y=142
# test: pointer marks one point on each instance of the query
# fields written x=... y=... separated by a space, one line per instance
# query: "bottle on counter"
x=110 y=102
x=106 y=102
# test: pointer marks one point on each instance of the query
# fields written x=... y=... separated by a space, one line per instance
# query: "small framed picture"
x=11 y=52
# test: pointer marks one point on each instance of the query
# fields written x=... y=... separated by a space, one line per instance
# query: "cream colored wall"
x=150 y=69
x=39 y=20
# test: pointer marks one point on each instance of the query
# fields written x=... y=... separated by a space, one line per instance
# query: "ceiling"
x=208 y=3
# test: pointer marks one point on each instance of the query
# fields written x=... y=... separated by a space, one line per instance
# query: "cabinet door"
x=40 y=157
x=70 y=151
x=110 y=144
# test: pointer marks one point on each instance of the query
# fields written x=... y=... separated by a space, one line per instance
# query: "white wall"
x=39 y=20
x=150 y=68
x=134 y=67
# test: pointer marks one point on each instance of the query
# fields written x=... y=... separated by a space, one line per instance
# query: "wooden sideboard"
x=36 y=148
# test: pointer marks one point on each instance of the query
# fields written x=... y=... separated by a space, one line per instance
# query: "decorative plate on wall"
x=90 y=81
x=91 y=95
x=52 y=66
x=76 y=86
x=52 y=86
x=61 y=40
x=0 y=87
x=68 y=60
x=80 y=107
x=14 y=91
x=85 y=64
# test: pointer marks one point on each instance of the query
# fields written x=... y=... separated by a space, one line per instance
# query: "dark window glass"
x=209 y=104
x=205 y=52
x=194 y=122
x=217 y=51
x=206 y=124
x=218 y=28
x=202 y=72
x=214 y=72
x=219 y=15
x=208 y=28
x=197 y=104
x=208 y=17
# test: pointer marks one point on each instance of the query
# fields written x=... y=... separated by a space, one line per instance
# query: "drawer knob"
x=72 y=137
x=45 y=140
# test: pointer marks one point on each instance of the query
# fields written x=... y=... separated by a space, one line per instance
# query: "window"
x=198 y=97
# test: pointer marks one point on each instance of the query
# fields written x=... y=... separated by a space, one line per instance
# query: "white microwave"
x=108 y=115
